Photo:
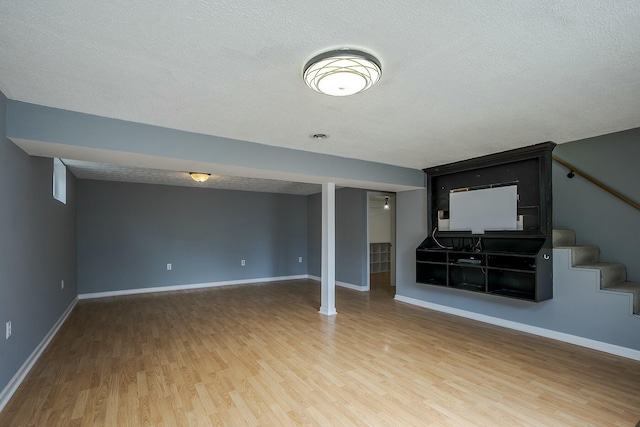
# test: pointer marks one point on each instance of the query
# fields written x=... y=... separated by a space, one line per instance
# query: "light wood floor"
x=262 y=355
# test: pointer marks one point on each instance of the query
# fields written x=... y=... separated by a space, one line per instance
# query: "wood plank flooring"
x=380 y=280
x=262 y=355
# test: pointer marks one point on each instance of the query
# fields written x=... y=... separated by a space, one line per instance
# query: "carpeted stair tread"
x=632 y=287
x=610 y=272
x=581 y=255
x=563 y=238
x=626 y=286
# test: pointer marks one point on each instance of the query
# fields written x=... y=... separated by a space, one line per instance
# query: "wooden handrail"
x=596 y=182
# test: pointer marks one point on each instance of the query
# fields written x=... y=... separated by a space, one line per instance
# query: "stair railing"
x=573 y=170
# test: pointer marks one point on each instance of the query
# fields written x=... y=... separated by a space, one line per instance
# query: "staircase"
x=613 y=276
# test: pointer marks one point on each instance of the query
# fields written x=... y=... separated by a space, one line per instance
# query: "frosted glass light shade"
x=342 y=72
x=199 y=177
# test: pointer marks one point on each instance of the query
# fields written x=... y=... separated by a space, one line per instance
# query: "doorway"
x=381 y=236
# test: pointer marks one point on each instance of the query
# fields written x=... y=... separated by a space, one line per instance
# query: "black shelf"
x=513 y=294
x=469 y=287
x=432 y=273
x=512 y=269
x=513 y=263
x=431 y=256
x=513 y=275
x=432 y=282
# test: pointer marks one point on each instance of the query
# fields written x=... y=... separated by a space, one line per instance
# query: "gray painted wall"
x=598 y=217
x=314 y=234
x=38 y=247
x=411 y=230
x=351 y=235
x=51 y=125
x=577 y=308
x=128 y=233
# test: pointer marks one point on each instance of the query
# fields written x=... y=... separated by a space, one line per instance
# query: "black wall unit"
x=512 y=263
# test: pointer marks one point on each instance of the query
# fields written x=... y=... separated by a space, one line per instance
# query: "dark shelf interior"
x=510 y=262
x=432 y=282
x=469 y=286
x=433 y=274
x=529 y=296
x=430 y=256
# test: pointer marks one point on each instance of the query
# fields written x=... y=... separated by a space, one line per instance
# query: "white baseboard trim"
x=617 y=350
x=14 y=383
x=342 y=284
x=186 y=287
x=327 y=312
x=352 y=286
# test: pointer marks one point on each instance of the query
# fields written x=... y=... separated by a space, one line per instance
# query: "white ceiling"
x=459 y=79
x=121 y=173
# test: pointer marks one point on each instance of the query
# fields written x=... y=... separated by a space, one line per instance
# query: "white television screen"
x=488 y=209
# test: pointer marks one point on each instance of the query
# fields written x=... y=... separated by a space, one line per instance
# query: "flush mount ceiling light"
x=199 y=176
x=342 y=72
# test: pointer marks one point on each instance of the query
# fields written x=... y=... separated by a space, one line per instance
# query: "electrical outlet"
x=8 y=329
x=299 y=259
x=242 y=263
x=61 y=284
x=169 y=266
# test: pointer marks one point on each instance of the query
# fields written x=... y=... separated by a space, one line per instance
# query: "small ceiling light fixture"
x=199 y=176
x=386 y=202
x=319 y=136
x=342 y=72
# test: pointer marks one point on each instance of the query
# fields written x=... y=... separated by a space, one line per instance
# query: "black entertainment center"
x=490 y=225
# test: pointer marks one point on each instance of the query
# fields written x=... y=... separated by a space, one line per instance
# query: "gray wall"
x=37 y=243
x=577 y=307
x=128 y=233
x=411 y=230
x=53 y=125
x=598 y=217
x=314 y=234
x=351 y=235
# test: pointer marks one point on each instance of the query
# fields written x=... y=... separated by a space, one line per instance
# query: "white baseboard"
x=14 y=383
x=352 y=286
x=327 y=312
x=342 y=284
x=617 y=350
x=185 y=287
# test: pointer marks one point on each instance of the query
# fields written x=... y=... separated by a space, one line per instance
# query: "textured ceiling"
x=111 y=172
x=459 y=79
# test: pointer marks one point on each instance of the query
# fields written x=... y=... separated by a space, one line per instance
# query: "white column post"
x=328 y=293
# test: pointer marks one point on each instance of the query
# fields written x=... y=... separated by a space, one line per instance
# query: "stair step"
x=632 y=287
x=562 y=238
x=613 y=275
x=581 y=255
x=610 y=272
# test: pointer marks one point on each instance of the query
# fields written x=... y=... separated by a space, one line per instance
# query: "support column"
x=328 y=293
